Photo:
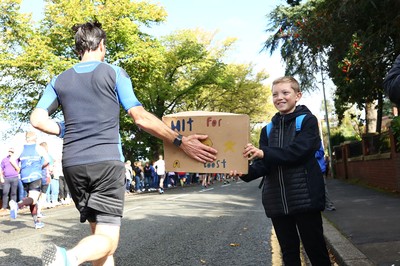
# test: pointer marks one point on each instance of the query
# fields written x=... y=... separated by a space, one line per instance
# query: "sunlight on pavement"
x=276 y=258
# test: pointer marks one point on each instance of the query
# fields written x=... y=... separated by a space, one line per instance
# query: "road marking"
x=225 y=185
x=180 y=196
x=239 y=182
x=204 y=190
x=128 y=210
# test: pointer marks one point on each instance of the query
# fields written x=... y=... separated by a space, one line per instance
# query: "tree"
x=357 y=40
x=31 y=54
x=187 y=62
x=169 y=74
x=191 y=76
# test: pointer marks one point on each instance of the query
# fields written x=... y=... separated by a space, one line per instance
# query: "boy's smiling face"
x=285 y=98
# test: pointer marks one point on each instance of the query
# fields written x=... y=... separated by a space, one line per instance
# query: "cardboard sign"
x=228 y=133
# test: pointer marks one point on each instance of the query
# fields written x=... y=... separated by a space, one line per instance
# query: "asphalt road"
x=223 y=225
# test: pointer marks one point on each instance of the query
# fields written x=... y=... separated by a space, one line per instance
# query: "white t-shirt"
x=160 y=167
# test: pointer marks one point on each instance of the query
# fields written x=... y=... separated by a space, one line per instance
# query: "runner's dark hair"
x=88 y=37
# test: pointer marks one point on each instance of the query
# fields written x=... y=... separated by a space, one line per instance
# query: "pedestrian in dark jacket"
x=392 y=82
x=293 y=190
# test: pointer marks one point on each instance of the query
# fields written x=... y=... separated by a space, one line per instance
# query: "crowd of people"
x=149 y=178
x=36 y=174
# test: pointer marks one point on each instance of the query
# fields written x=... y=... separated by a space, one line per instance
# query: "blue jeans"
x=155 y=181
x=138 y=183
x=188 y=179
x=147 y=180
x=54 y=190
x=21 y=190
x=128 y=184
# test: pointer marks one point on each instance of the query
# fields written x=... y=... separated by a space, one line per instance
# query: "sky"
x=244 y=20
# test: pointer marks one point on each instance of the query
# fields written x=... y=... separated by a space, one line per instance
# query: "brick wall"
x=380 y=170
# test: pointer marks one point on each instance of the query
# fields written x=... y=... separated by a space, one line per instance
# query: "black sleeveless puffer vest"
x=293 y=181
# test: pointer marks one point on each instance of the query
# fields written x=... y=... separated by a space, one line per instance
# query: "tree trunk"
x=379 y=114
x=371 y=115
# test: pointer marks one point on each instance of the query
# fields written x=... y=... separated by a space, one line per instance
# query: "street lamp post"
x=326 y=115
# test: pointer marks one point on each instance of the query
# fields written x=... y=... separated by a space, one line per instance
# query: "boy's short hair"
x=294 y=84
x=88 y=37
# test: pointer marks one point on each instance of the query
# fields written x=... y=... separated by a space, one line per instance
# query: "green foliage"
x=337 y=138
x=299 y=42
x=191 y=76
x=355 y=41
x=255 y=136
x=395 y=127
x=179 y=72
x=31 y=54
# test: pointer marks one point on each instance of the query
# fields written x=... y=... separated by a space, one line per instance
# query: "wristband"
x=178 y=140
x=61 y=125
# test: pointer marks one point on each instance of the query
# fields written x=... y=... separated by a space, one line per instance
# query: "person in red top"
x=182 y=178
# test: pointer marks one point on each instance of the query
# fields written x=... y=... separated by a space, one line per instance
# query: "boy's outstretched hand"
x=251 y=152
x=235 y=173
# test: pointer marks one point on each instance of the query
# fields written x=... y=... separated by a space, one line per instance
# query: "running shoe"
x=39 y=225
x=54 y=256
x=13 y=209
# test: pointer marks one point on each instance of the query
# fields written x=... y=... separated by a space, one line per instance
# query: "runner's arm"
x=191 y=145
x=46 y=106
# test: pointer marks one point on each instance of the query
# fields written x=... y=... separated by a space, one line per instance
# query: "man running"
x=89 y=95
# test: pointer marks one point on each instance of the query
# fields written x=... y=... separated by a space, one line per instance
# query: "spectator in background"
x=159 y=165
x=128 y=176
x=203 y=177
x=327 y=165
x=138 y=182
x=9 y=177
x=63 y=193
x=156 y=180
x=182 y=178
x=171 y=179
x=55 y=182
x=329 y=206
x=139 y=164
x=148 y=175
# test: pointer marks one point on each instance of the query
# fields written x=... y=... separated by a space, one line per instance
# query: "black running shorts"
x=44 y=188
x=98 y=190
x=33 y=186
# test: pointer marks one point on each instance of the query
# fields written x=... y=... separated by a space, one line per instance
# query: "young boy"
x=293 y=191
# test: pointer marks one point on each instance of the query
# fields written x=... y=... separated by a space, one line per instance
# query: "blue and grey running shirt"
x=89 y=95
x=32 y=158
